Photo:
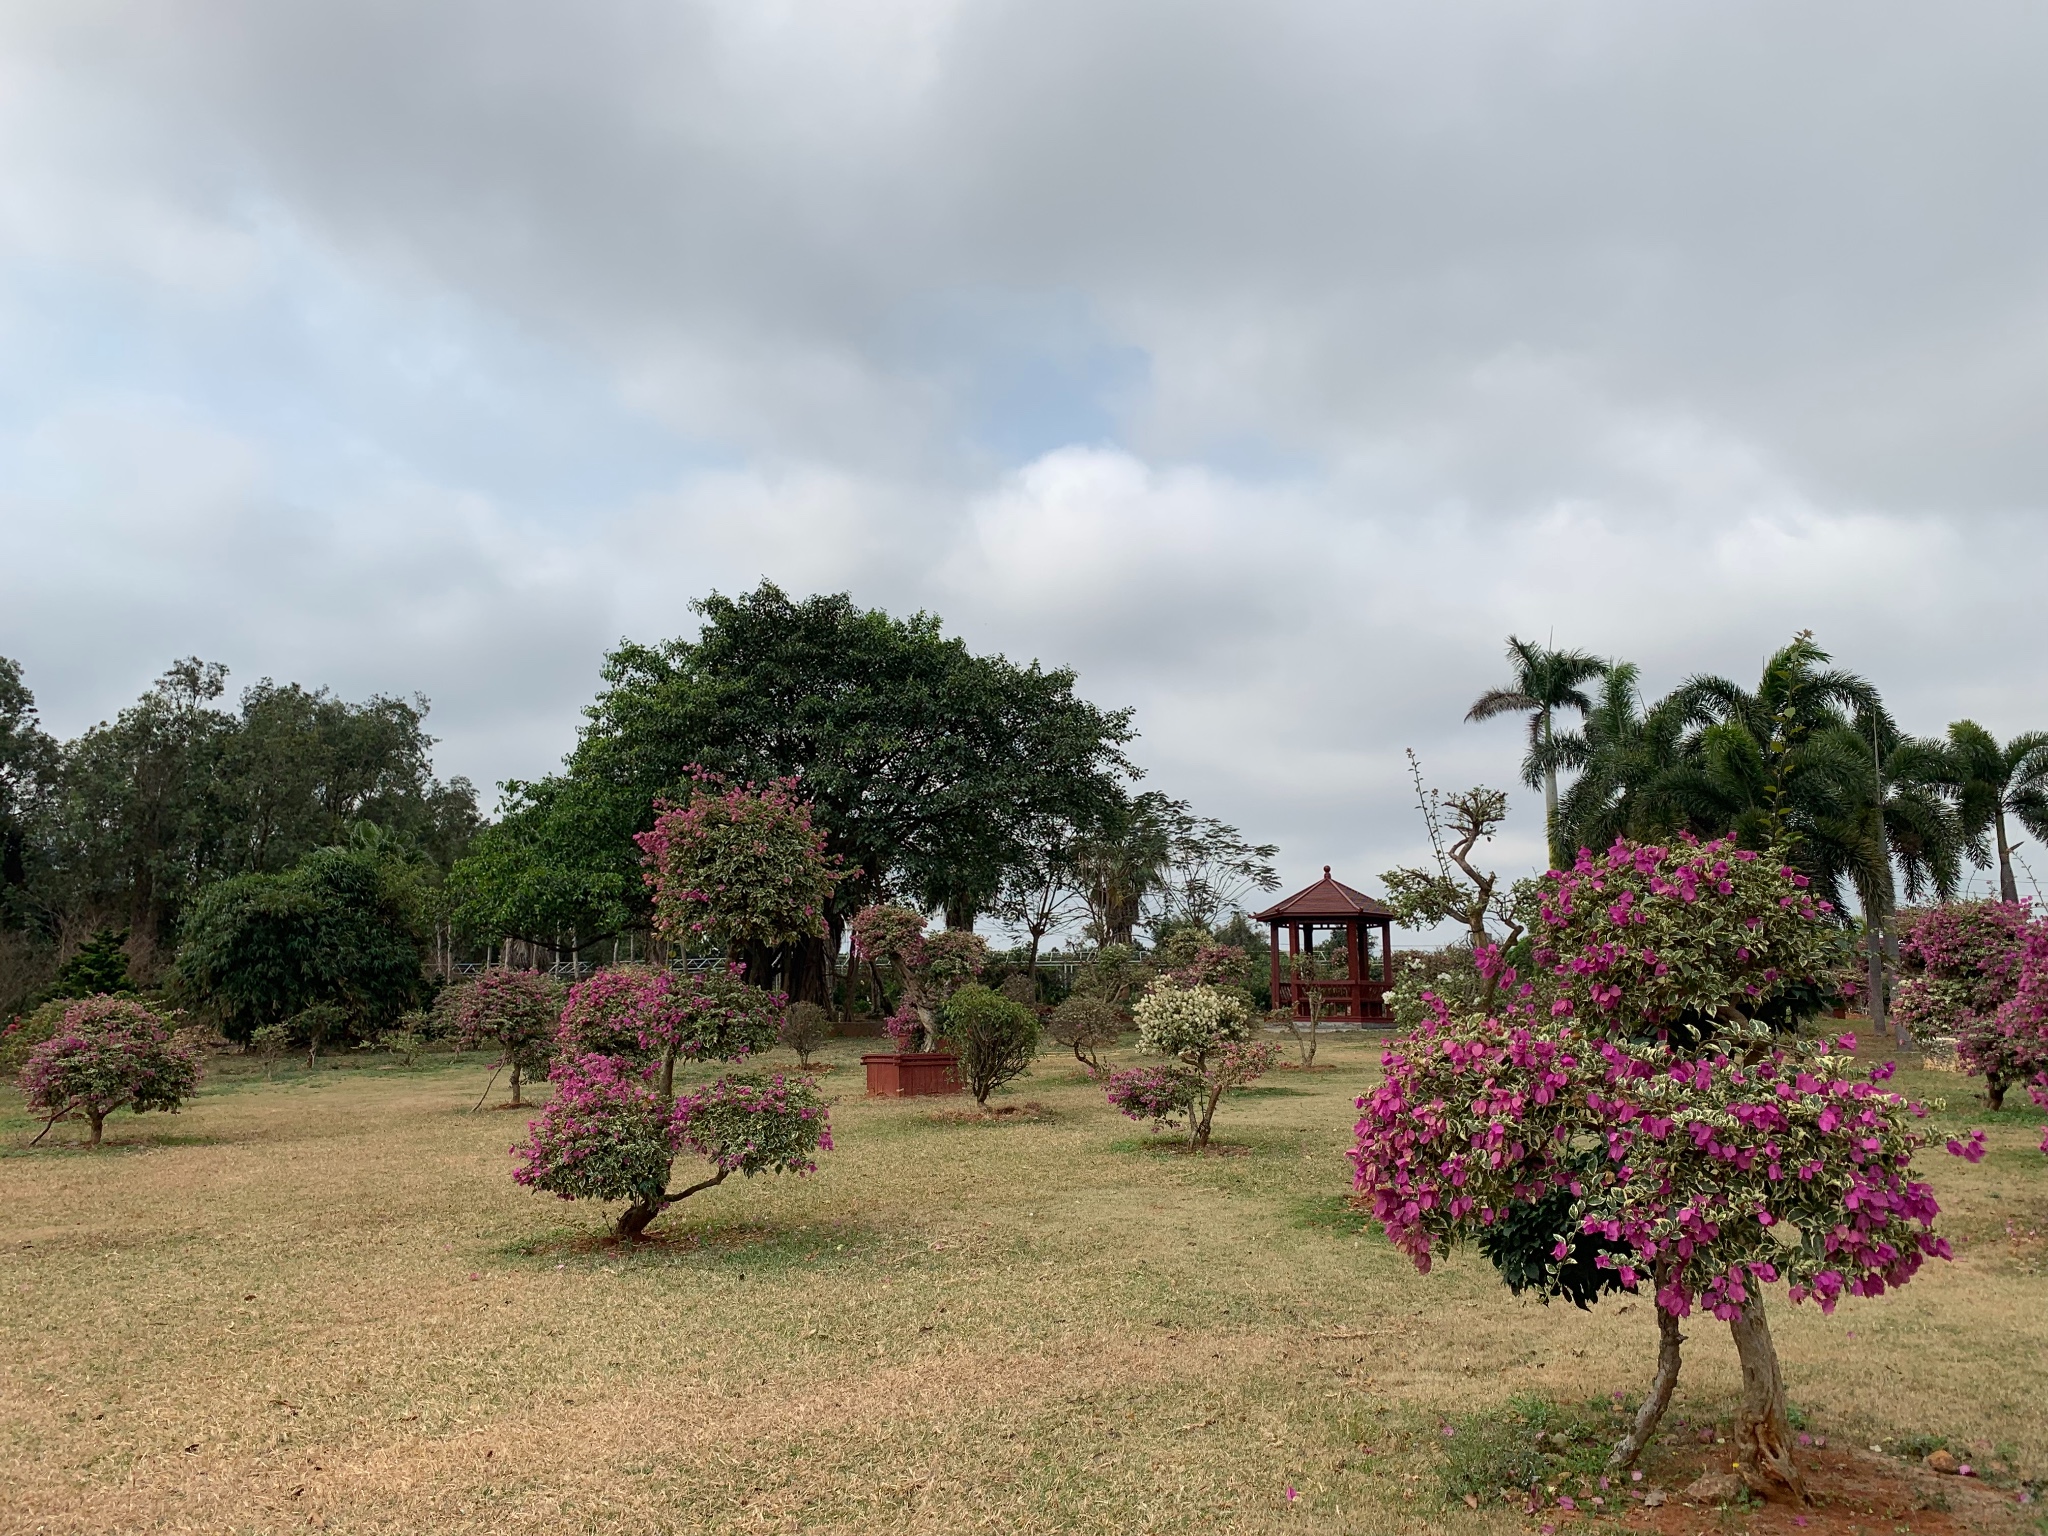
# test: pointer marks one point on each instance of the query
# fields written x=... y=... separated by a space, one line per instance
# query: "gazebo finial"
x=1326 y=871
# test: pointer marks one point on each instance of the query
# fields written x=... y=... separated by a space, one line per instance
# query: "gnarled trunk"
x=97 y=1118
x=517 y=1102
x=1651 y=1412
x=1763 y=1431
x=634 y=1219
x=1994 y=1091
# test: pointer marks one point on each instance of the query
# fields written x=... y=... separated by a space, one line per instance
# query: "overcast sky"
x=1269 y=364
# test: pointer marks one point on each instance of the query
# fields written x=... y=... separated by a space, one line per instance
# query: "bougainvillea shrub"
x=1679 y=942
x=1204 y=1034
x=740 y=865
x=1639 y=1114
x=1963 y=965
x=929 y=968
x=747 y=867
x=659 y=1017
x=107 y=1052
x=2022 y=1022
x=1715 y=1172
x=609 y=1135
x=511 y=1012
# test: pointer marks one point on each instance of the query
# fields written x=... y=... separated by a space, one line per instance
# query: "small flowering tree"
x=1637 y=1113
x=740 y=865
x=1204 y=1035
x=608 y=1135
x=2022 y=1021
x=107 y=1052
x=929 y=967
x=512 y=1012
x=1965 y=960
x=616 y=1126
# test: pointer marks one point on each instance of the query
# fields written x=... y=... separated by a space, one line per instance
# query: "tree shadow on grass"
x=64 y=1141
x=1171 y=1145
x=713 y=1244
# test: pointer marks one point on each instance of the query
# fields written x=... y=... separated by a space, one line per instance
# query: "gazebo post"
x=1354 y=965
x=1273 y=952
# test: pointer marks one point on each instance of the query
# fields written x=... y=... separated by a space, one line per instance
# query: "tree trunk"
x=960 y=913
x=517 y=1102
x=2008 y=888
x=97 y=1118
x=1651 y=1411
x=1763 y=1431
x=1550 y=802
x=1994 y=1092
x=634 y=1219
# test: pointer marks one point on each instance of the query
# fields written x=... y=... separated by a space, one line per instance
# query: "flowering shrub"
x=608 y=1135
x=512 y=1011
x=750 y=1125
x=604 y=1136
x=1632 y=1114
x=1965 y=961
x=1659 y=940
x=892 y=937
x=1181 y=1092
x=615 y=1127
x=106 y=1052
x=2022 y=1021
x=657 y=1017
x=740 y=865
x=930 y=967
x=1205 y=1034
x=1449 y=974
x=1705 y=1162
x=996 y=1037
x=1174 y=1020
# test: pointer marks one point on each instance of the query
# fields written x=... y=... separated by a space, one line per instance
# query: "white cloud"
x=1267 y=364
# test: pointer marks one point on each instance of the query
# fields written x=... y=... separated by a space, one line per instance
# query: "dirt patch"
x=1033 y=1110
x=1853 y=1491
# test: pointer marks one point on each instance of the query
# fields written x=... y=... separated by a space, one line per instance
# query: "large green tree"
x=928 y=766
x=28 y=774
x=339 y=931
x=179 y=791
x=1990 y=782
x=1544 y=681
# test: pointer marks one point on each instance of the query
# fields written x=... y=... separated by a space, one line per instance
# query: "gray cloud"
x=1268 y=364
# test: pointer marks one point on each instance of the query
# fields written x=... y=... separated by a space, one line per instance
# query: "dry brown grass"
x=321 y=1303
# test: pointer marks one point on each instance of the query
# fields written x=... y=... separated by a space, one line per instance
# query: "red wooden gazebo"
x=1331 y=905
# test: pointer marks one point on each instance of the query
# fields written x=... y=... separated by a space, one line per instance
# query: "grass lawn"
x=321 y=1302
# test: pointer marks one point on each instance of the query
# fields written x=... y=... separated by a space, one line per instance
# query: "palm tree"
x=1625 y=756
x=1545 y=681
x=1989 y=783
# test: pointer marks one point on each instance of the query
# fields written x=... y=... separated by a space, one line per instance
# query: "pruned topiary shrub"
x=1641 y=1118
x=107 y=1052
x=996 y=1037
x=1964 y=963
x=1086 y=1025
x=805 y=1027
x=514 y=1013
x=615 y=1125
x=1204 y=1034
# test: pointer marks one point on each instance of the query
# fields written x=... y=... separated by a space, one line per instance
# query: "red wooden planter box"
x=911 y=1073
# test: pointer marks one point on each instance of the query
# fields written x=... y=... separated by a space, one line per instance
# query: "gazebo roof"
x=1327 y=898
